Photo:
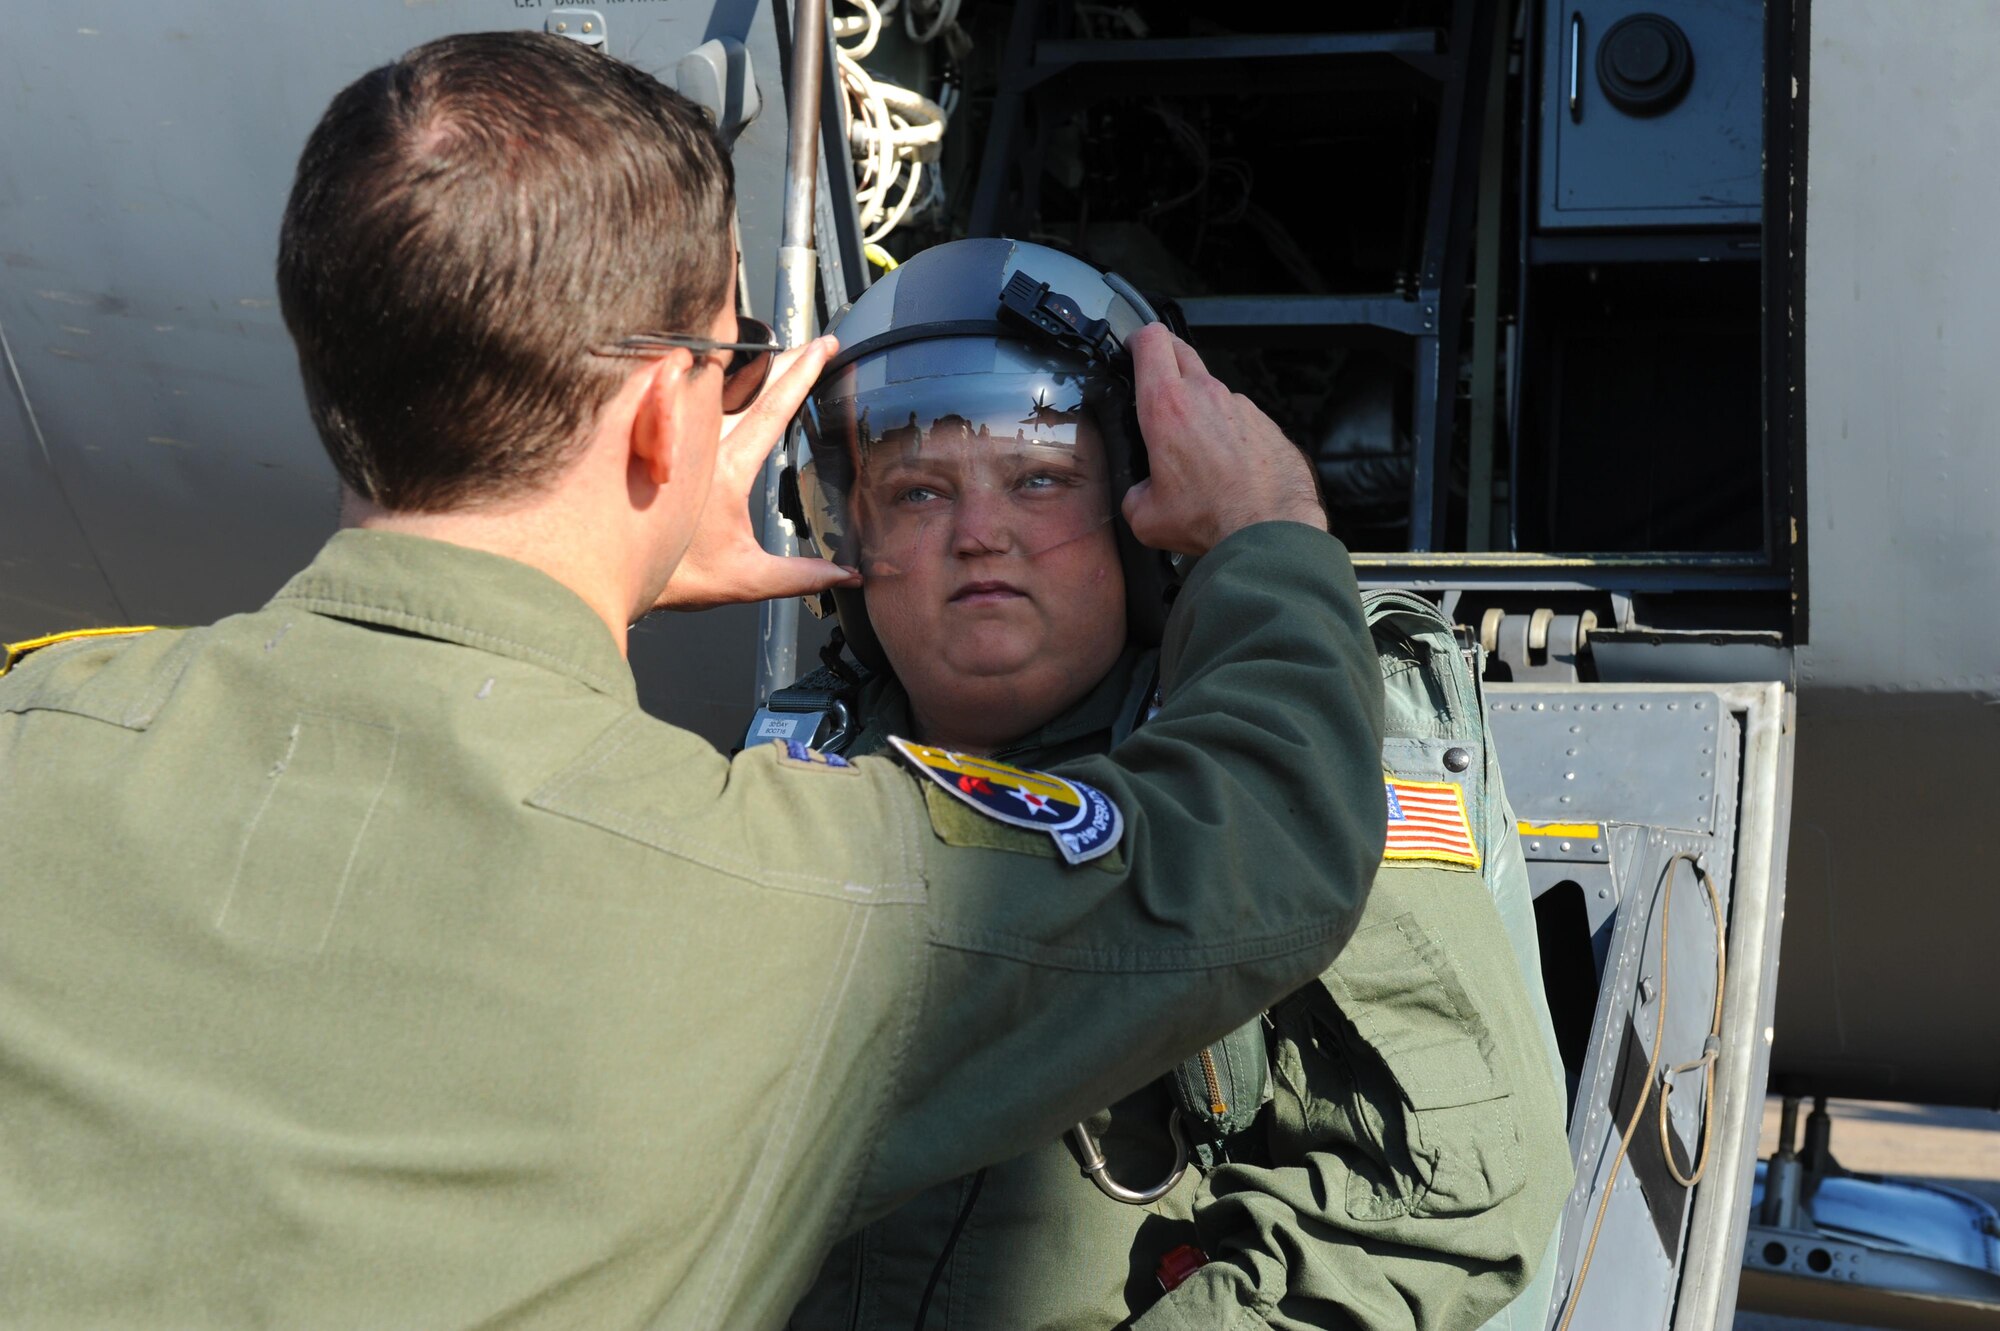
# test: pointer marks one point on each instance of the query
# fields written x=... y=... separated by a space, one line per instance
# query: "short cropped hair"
x=466 y=224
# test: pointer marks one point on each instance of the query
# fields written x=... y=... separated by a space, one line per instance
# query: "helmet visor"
x=954 y=466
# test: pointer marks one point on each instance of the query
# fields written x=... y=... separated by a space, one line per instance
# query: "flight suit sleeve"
x=1419 y=1162
x=1253 y=821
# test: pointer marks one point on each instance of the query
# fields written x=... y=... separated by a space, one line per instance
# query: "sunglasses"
x=743 y=374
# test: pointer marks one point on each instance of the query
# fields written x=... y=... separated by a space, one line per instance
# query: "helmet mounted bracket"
x=1057 y=318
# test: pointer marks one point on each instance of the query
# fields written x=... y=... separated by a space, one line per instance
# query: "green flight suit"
x=372 y=960
x=1041 y=1247
x=1412 y=1164
x=1419 y=1084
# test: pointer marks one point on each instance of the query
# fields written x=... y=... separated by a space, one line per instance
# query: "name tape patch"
x=1427 y=822
x=1080 y=818
x=791 y=753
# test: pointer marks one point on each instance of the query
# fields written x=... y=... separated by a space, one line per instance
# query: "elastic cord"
x=1652 y=1066
x=1711 y=1052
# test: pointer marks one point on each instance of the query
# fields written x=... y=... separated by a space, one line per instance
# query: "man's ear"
x=655 y=421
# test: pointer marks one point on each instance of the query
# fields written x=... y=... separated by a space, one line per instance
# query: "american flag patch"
x=1427 y=822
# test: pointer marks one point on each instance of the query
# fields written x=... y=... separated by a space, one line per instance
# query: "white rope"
x=868 y=22
x=902 y=208
x=947 y=17
x=892 y=130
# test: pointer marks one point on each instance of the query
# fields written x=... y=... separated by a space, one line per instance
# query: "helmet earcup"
x=1150 y=585
x=1150 y=581
x=862 y=644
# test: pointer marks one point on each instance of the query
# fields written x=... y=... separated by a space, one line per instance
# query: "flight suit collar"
x=464 y=596
x=1094 y=714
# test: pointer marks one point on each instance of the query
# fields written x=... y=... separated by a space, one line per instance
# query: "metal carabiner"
x=843 y=729
x=1096 y=1170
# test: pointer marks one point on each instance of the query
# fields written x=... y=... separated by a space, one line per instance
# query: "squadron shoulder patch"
x=1427 y=822
x=1081 y=819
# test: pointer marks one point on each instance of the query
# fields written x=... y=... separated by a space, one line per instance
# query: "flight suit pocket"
x=1395 y=1074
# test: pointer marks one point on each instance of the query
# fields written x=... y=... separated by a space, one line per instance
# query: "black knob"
x=1644 y=64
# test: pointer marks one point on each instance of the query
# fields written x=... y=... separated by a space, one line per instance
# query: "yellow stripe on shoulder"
x=16 y=651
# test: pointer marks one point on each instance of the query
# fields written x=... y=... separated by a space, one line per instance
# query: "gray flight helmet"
x=978 y=346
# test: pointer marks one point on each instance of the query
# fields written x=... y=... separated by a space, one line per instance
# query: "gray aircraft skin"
x=1893 y=919
x=157 y=465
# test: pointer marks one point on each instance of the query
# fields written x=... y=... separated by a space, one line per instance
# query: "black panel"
x=1569 y=973
x=1646 y=434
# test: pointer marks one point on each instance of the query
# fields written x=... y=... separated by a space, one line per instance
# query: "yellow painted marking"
x=1574 y=831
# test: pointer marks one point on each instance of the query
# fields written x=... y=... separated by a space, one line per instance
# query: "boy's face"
x=992 y=576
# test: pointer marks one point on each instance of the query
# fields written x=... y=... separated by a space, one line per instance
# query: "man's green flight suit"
x=372 y=960
x=1410 y=1168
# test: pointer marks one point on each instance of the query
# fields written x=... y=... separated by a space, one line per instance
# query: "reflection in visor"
x=931 y=474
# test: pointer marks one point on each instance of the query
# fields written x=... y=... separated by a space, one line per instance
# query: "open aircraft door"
x=1654 y=820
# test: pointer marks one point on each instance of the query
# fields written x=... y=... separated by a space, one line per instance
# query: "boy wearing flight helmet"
x=1386 y=1149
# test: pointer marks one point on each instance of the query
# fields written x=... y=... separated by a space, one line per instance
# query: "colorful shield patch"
x=1080 y=818
x=1427 y=822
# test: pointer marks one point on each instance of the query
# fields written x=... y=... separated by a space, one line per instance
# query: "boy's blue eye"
x=1049 y=480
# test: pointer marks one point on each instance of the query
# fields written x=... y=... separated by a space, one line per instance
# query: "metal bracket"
x=1542 y=647
x=717 y=77
x=584 y=26
x=1810 y=1255
x=827 y=729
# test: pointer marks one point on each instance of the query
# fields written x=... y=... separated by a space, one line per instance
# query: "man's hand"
x=1218 y=463
x=724 y=564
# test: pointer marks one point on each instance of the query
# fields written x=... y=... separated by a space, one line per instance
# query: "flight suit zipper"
x=1214 y=1080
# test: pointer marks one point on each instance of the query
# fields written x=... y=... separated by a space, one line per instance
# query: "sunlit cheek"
x=1049 y=527
x=897 y=545
x=1094 y=627
x=890 y=600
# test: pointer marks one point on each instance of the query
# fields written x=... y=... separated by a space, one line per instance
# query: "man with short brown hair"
x=467 y=224
x=373 y=960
